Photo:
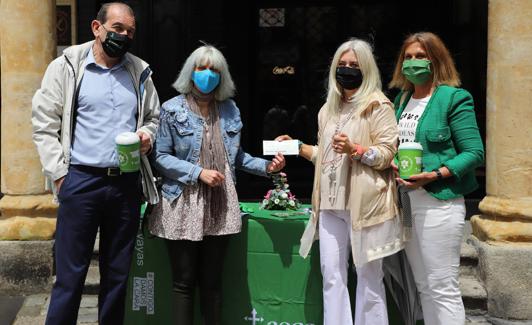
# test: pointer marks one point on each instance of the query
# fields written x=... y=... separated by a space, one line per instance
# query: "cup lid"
x=410 y=145
x=126 y=138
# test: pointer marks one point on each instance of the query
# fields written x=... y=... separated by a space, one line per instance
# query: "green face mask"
x=416 y=71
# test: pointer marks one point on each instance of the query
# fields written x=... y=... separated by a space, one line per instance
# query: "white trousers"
x=334 y=232
x=434 y=256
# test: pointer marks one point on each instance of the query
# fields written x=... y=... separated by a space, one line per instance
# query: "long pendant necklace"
x=334 y=163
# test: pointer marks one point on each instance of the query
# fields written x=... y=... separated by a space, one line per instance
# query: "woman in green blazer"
x=433 y=112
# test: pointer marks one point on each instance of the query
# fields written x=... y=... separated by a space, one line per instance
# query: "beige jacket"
x=373 y=198
x=52 y=112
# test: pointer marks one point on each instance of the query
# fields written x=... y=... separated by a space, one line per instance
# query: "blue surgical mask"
x=206 y=80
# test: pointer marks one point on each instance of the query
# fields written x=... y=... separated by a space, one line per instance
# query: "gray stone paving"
x=476 y=320
x=33 y=311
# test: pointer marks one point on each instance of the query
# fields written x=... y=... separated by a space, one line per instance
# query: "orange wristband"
x=355 y=154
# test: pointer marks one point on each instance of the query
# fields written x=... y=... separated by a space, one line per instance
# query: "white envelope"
x=287 y=147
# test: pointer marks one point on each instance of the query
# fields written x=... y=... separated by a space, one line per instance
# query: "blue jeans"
x=88 y=200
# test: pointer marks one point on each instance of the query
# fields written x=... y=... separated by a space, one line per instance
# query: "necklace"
x=330 y=166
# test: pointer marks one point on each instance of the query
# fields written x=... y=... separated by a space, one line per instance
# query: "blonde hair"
x=371 y=82
x=443 y=68
x=202 y=56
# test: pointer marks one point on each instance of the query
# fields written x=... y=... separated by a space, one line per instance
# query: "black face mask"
x=348 y=78
x=115 y=45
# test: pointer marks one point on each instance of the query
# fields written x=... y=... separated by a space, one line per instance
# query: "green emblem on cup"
x=128 y=150
x=410 y=159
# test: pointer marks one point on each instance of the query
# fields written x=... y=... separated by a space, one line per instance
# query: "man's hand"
x=277 y=164
x=58 y=183
x=211 y=177
x=145 y=142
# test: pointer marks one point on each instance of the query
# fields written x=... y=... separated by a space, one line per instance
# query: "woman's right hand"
x=211 y=177
x=283 y=137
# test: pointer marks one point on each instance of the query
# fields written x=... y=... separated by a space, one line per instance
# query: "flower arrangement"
x=280 y=198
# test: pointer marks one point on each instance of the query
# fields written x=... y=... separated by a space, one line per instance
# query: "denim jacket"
x=177 y=147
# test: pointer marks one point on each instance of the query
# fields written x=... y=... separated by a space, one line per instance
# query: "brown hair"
x=443 y=69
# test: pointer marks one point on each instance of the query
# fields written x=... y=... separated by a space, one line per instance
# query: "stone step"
x=468 y=254
x=477 y=320
x=468 y=251
x=474 y=295
x=473 y=292
x=96 y=249
x=468 y=260
x=92 y=281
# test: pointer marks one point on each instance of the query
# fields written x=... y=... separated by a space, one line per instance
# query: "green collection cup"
x=410 y=159
x=128 y=150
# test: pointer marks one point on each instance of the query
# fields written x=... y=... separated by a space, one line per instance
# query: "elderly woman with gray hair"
x=353 y=199
x=197 y=151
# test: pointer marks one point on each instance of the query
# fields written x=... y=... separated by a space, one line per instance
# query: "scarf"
x=212 y=154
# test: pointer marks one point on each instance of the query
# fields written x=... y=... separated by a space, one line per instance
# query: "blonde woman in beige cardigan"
x=353 y=199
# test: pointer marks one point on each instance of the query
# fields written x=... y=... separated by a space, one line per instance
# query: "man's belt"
x=105 y=171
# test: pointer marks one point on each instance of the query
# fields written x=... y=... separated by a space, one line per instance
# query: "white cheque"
x=287 y=147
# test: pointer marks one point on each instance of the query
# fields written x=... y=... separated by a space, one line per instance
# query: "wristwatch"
x=438 y=173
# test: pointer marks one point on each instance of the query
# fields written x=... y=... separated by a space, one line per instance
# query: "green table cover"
x=149 y=291
x=265 y=281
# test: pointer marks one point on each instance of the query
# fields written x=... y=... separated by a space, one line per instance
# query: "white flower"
x=286 y=185
x=264 y=202
x=284 y=195
x=276 y=201
x=291 y=202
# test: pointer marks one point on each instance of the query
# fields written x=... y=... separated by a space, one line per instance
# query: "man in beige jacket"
x=90 y=94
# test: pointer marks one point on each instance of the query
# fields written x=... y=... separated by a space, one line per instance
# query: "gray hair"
x=202 y=56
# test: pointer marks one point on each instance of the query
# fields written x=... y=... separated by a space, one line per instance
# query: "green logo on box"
x=410 y=159
x=128 y=150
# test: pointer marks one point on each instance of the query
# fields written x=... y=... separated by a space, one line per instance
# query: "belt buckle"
x=113 y=171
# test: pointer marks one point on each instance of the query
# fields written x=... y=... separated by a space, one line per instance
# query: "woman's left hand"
x=277 y=164
x=418 y=180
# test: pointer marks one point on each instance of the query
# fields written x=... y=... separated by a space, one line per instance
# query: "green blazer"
x=449 y=134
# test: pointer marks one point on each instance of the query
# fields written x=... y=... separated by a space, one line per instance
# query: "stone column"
x=504 y=228
x=27 y=214
x=27 y=36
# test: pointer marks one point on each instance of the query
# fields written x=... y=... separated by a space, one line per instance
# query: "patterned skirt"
x=189 y=217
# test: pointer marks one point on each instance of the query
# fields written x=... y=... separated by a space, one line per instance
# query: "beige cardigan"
x=373 y=126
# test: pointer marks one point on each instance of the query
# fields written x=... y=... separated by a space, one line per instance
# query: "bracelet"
x=355 y=155
x=438 y=173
